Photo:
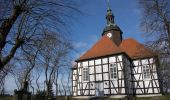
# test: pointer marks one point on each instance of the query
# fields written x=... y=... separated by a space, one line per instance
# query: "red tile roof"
x=105 y=47
x=134 y=49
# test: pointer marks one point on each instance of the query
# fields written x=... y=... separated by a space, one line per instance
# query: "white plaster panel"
x=74 y=83
x=112 y=59
x=98 y=69
x=120 y=82
x=78 y=92
x=139 y=69
x=79 y=64
x=158 y=90
x=145 y=61
x=105 y=60
x=78 y=87
x=135 y=84
x=74 y=94
x=106 y=91
x=150 y=90
x=146 y=83
x=92 y=92
x=105 y=68
x=119 y=58
x=154 y=67
x=85 y=63
x=155 y=90
x=97 y=61
x=157 y=83
x=135 y=69
x=138 y=91
x=91 y=77
x=119 y=74
x=115 y=83
x=80 y=79
x=137 y=76
x=79 y=71
x=85 y=86
x=151 y=60
x=74 y=89
x=106 y=84
x=123 y=90
x=136 y=62
x=105 y=76
x=120 y=66
x=75 y=71
x=154 y=84
x=98 y=77
x=92 y=85
x=123 y=84
x=91 y=62
x=141 y=84
x=74 y=77
x=91 y=70
x=86 y=92
x=113 y=91
x=155 y=75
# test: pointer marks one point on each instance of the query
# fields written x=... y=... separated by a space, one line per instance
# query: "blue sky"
x=89 y=26
x=87 y=30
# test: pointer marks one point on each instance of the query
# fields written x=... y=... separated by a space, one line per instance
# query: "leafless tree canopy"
x=22 y=24
x=156 y=20
x=156 y=23
x=31 y=38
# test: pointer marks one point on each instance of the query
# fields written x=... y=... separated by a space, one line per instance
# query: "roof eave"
x=118 y=53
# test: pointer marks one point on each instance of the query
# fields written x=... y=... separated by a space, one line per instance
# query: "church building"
x=115 y=67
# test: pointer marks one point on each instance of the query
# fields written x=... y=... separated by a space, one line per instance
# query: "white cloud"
x=80 y=44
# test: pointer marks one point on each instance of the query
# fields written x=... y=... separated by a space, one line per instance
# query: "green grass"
x=165 y=97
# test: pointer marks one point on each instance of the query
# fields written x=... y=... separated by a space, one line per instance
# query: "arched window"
x=113 y=71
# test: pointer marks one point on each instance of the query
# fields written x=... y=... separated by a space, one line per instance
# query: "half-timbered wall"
x=74 y=81
x=128 y=75
x=99 y=72
x=145 y=85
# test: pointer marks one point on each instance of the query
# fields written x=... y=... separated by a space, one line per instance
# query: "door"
x=99 y=90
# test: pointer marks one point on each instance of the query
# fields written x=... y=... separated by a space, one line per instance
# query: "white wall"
x=151 y=83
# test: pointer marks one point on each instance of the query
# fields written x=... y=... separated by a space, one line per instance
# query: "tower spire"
x=109 y=15
x=112 y=30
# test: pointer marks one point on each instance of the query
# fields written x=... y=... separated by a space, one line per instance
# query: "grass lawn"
x=164 y=97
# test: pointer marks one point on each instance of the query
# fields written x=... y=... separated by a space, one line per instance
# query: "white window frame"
x=85 y=76
x=146 y=72
x=113 y=71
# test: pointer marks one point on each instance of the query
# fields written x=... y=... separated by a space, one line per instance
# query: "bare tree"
x=22 y=23
x=3 y=76
x=156 y=20
x=38 y=72
x=156 y=25
x=54 y=54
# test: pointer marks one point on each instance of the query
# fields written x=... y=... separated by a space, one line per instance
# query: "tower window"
x=85 y=74
x=113 y=71
x=146 y=72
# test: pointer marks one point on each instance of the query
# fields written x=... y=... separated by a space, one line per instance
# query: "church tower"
x=112 y=30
